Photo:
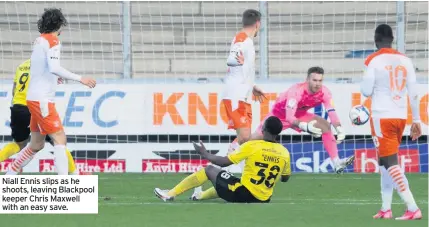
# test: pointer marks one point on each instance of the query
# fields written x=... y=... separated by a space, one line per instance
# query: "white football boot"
x=163 y=194
x=197 y=194
x=343 y=163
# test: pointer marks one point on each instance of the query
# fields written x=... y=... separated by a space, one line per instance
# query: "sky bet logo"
x=72 y=107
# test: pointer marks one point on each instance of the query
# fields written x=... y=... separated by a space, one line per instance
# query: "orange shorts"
x=241 y=117
x=387 y=135
x=44 y=117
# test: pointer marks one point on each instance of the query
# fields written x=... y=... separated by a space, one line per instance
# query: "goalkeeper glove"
x=340 y=134
x=310 y=128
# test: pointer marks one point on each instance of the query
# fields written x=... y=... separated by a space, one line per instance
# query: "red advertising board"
x=172 y=165
x=88 y=165
x=367 y=160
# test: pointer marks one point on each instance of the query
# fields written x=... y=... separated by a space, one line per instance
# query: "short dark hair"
x=383 y=33
x=51 y=21
x=315 y=69
x=273 y=125
x=250 y=17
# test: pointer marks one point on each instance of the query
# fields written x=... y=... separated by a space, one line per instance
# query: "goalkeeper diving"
x=292 y=108
x=266 y=162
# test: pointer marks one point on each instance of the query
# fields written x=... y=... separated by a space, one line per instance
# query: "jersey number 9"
x=22 y=80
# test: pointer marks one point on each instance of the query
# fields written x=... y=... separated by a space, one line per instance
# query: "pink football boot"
x=416 y=215
x=383 y=214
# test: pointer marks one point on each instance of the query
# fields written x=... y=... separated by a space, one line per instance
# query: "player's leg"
x=240 y=119
x=328 y=139
x=71 y=164
x=37 y=143
x=61 y=162
x=192 y=181
x=49 y=123
x=210 y=193
x=387 y=134
x=386 y=184
x=19 y=122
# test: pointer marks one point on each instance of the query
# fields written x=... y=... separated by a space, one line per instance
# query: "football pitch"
x=307 y=200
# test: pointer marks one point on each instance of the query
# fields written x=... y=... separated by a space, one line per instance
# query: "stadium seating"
x=191 y=39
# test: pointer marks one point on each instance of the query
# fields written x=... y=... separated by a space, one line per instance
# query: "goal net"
x=160 y=67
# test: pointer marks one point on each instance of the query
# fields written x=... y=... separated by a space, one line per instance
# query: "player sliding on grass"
x=390 y=80
x=45 y=69
x=20 y=118
x=266 y=161
x=291 y=108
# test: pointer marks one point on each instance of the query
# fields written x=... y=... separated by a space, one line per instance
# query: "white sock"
x=21 y=160
x=386 y=189
x=402 y=187
x=61 y=162
x=336 y=161
x=198 y=189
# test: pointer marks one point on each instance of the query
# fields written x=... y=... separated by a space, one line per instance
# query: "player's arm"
x=293 y=97
x=328 y=103
x=368 y=81
x=15 y=82
x=217 y=160
x=53 y=56
x=235 y=57
x=416 y=130
x=287 y=169
x=250 y=54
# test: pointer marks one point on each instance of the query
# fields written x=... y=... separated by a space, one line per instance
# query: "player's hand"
x=60 y=80
x=89 y=82
x=310 y=128
x=240 y=58
x=259 y=94
x=200 y=148
x=340 y=134
x=416 y=131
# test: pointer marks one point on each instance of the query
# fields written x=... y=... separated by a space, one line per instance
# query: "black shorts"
x=20 y=123
x=239 y=195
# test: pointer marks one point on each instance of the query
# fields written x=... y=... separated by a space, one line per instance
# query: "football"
x=359 y=115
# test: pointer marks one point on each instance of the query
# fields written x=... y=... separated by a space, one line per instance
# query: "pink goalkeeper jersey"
x=298 y=100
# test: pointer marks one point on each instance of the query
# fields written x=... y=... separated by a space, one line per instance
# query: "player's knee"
x=209 y=169
x=211 y=172
x=35 y=147
x=58 y=138
x=22 y=144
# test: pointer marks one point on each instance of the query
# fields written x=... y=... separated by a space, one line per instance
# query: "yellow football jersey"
x=265 y=162
x=22 y=77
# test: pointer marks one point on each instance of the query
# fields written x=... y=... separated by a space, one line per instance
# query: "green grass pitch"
x=307 y=200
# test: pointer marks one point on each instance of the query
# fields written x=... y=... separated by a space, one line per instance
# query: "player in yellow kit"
x=20 y=117
x=266 y=161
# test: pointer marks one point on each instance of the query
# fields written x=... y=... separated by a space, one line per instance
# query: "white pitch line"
x=219 y=203
x=283 y=200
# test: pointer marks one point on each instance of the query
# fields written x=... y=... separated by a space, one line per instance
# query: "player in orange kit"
x=45 y=69
x=389 y=80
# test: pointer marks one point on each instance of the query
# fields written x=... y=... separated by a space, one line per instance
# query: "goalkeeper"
x=20 y=118
x=266 y=161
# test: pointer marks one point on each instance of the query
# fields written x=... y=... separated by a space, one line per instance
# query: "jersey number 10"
x=397 y=78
